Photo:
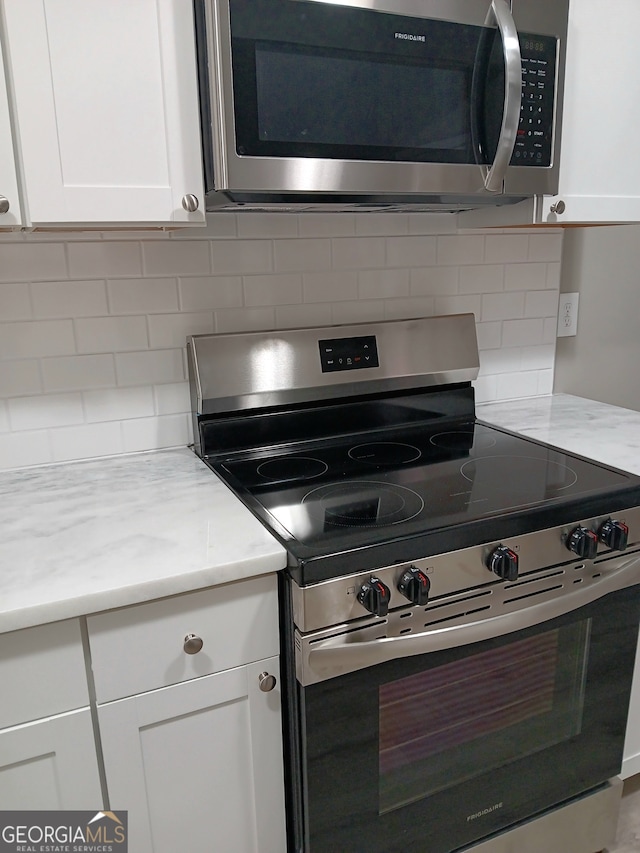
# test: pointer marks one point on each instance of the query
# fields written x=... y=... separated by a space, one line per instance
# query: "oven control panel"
x=348 y=353
x=580 y=551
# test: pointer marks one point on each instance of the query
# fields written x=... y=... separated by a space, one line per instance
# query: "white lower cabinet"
x=50 y=764
x=190 y=726
x=199 y=765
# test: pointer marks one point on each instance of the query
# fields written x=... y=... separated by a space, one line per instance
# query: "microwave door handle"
x=500 y=12
x=332 y=657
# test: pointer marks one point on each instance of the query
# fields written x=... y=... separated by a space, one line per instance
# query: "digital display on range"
x=348 y=353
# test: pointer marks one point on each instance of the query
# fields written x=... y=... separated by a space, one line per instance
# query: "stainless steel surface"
x=190 y=202
x=245 y=182
x=334 y=601
x=559 y=207
x=231 y=372
x=4 y=204
x=501 y=13
x=348 y=652
x=192 y=644
x=266 y=682
x=585 y=824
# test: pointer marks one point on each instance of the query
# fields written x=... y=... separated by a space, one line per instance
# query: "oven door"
x=405 y=97
x=436 y=751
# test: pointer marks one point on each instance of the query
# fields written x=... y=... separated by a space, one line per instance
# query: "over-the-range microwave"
x=380 y=104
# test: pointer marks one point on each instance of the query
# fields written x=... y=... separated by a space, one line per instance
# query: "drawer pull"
x=192 y=644
x=266 y=682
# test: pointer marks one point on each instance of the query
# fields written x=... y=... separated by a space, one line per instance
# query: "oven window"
x=460 y=720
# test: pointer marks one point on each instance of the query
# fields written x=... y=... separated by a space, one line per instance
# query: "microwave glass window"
x=334 y=100
x=446 y=725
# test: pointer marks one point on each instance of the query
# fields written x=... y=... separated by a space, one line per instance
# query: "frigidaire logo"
x=410 y=37
x=493 y=808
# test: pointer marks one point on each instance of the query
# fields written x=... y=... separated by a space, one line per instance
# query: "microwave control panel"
x=535 y=133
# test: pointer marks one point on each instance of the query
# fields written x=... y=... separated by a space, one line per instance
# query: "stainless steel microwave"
x=380 y=104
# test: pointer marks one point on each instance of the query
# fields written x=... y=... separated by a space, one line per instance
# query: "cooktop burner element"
x=287 y=468
x=361 y=504
x=384 y=453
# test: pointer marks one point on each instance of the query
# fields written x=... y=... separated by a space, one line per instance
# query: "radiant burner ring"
x=291 y=468
x=363 y=504
x=384 y=453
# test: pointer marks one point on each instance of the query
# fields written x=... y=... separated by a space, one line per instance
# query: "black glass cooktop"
x=325 y=497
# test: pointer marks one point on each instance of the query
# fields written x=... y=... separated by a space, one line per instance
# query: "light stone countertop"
x=608 y=434
x=89 y=536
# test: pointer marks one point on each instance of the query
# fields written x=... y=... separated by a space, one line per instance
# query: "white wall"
x=601 y=361
x=92 y=326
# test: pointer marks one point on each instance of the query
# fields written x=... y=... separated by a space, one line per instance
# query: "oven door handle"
x=501 y=12
x=338 y=655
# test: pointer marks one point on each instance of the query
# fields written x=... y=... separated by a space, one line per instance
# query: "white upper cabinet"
x=599 y=172
x=106 y=111
x=10 y=213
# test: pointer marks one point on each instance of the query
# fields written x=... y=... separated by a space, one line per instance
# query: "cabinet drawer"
x=42 y=672
x=141 y=648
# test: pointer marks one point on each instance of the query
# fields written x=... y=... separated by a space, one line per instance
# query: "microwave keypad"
x=535 y=132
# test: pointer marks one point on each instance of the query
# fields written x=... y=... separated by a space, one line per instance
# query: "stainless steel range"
x=460 y=608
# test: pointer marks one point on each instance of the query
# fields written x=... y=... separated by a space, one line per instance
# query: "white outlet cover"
x=568 y=314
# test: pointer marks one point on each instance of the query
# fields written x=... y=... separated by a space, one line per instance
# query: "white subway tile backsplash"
x=383 y=284
x=52 y=299
x=522 y=333
x=119 y=404
x=149 y=368
x=37 y=339
x=330 y=286
x=172 y=399
x=412 y=251
x=541 y=303
x=20 y=449
x=502 y=306
x=15 y=303
x=170 y=330
x=355 y=253
x=176 y=257
x=93 y=327
x=210 y=293
x=164 y=431
x=46 y=411
x=78 y=372
x=283 y=289
x=20 y=378
x=485 y=278
x=32 y=261
x=240 y=257
x=460 y=249
x=102 y=260
x=111 y=334
x=86 y=441
x=142 y=296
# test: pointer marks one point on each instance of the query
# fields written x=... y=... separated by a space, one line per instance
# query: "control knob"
x=414 y=585
x=614 y=534
x=374 y=596
x=583 y=542
x=504 y=562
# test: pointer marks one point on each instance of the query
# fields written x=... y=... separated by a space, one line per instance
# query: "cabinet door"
x=631 y=759
x=199 y=765
x=50 y=764
x=10 y=213
x=106 y=103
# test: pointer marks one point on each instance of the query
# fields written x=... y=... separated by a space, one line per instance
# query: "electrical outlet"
x=568 y=315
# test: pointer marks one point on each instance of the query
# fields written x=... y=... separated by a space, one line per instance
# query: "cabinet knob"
x=559 y=207
x=266 y=681
x=4 y=204
x=190 y=202
x=192 y=644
